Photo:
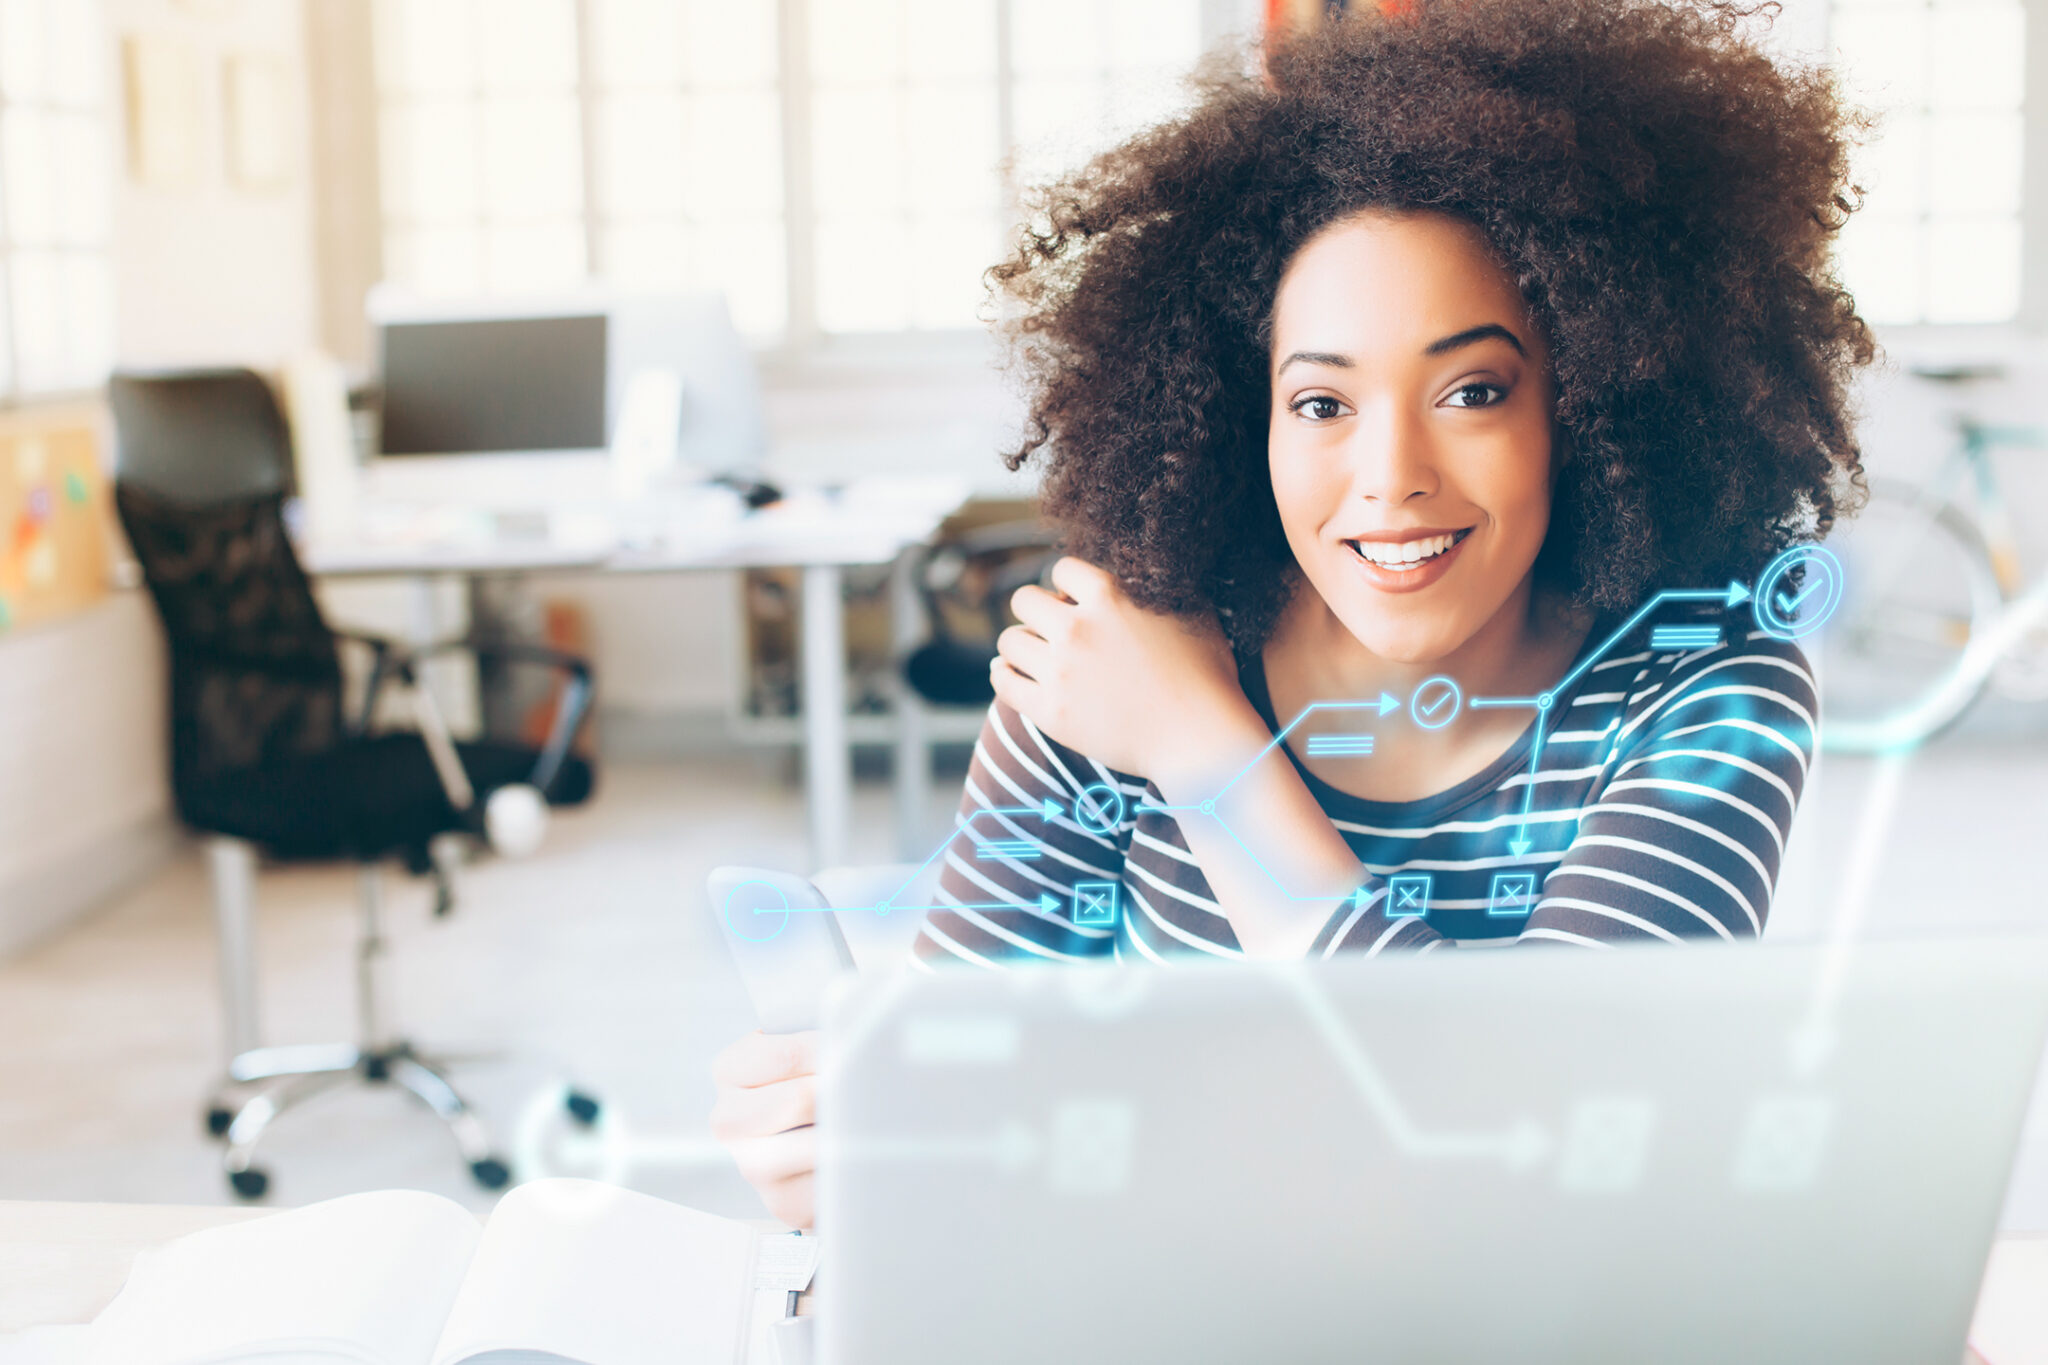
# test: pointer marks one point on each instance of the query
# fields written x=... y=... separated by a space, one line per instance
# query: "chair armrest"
x=570 y=711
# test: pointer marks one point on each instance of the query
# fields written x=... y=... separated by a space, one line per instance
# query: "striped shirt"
x=1651 y=802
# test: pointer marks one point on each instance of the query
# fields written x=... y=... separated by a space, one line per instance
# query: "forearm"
x=1276 y=865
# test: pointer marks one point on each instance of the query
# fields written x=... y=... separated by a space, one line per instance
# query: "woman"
x=1382 y=388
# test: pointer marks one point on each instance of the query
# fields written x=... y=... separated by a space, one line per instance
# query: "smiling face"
x=1410 y=437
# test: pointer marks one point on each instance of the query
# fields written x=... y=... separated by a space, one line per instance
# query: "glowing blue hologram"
x=1607 y=1145
x=1093 y=1143
x=757 y=917
x=1514 y=893
x=1785 y=614
x=1049 y=809
x=1436 y=703
x=1782 y=1142
x=1387 y=703
x=1684 y=637
x=1099 y=809
x=1095 y=904
x=1049 y=904
x=1408 y=893
x=1020 y=850
x=1339 y=746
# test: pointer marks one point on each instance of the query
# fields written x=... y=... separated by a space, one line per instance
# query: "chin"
x=1408 y=636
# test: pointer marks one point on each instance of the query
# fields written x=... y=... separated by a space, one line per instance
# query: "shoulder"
x=1745 y=682
x=1028 y=758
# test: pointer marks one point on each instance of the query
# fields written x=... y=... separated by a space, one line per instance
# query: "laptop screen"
x=494 y=385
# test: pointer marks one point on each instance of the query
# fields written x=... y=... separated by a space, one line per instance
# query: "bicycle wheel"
x=1917 y=586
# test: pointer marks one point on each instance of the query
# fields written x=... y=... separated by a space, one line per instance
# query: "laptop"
x=1711 y=1154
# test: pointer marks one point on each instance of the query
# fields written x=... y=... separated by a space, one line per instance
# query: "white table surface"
x=63 y=1263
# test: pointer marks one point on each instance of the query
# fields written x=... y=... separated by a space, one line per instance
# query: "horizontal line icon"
x=1684 y=637
x=1339 y=746
x=1007 y=848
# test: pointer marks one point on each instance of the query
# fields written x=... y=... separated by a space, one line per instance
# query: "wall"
x=204 y=275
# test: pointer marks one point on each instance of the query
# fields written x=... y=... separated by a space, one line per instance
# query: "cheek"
x=1307 y=490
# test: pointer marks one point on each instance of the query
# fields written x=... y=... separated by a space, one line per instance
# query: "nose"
x=1392 y=462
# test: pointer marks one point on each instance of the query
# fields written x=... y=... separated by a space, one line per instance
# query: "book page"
x=574 y=1270
x=368 y=1277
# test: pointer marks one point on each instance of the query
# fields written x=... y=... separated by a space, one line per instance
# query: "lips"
x=1406 y=561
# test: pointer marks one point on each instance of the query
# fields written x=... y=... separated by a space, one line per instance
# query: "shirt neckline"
x=1423 y=809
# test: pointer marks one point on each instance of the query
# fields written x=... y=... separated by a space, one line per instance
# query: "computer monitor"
x=526 y=401
x=494 y=385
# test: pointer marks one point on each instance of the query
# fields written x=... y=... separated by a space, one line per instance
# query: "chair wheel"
x=581 y=1107
x=218 y=1120
x=249 y=1184
x=491 y=1173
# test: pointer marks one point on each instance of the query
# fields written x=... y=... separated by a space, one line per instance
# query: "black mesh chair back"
x=255 y=674
x=204 y=463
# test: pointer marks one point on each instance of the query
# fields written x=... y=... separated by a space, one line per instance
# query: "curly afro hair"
x=1663 y=194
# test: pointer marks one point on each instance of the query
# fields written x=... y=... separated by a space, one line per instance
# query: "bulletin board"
x=53 y=517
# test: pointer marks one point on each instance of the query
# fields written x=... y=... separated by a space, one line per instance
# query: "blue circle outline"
x=782 y=915
x=1087 y=811
x=1762 y=605
x=1457 y=702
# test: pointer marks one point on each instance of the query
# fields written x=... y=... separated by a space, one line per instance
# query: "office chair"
x=266 y=755
x=970 y=576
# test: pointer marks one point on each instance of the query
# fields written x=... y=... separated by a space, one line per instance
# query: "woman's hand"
x=1135 y=690
x=767 y=1101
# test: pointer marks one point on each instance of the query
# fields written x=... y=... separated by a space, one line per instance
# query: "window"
x=56 y=289
x=1938 y=239
x=529 y=144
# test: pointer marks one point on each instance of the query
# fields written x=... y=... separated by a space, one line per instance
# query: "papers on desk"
x=566 y=1272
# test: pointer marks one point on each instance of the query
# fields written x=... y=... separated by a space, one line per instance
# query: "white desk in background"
x=822 y=533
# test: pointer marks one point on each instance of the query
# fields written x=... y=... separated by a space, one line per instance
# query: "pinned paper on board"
x=53 y=519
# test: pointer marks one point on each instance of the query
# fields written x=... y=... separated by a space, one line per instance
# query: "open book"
x=566 y=1271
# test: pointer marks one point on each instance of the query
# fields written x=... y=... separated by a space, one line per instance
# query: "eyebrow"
x=1438 y=347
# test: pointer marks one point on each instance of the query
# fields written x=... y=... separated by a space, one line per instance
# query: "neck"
x=1516 y=653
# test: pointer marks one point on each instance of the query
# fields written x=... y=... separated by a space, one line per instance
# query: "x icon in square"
x=1514 y=893
x=1095 y=904
x=1408 y=893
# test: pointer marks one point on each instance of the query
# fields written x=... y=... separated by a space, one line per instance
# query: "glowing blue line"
x=1287 y=730
x=1668 y=595
x=960 y=829
x=1481 y=702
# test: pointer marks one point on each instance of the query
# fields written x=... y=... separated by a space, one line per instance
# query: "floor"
x=593 y=962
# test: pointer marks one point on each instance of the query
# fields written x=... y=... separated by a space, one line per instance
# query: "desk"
x=63 y=1263
x=872 y=522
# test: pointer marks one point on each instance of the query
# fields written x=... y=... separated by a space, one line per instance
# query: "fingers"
x=1039 y=610
x=741 y=1115
x=764 y=1058
x=1026 y=651
x=778 y=1156
x=1080 y=580
x=792 y=1201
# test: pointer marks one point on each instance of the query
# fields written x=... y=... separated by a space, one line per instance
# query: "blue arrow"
x=1050 y=809
x=1518 y=846
x=1387 y=703
x=1048 y=904
x=1737 y=594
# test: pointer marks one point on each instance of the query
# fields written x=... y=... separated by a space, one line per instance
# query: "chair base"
x=290 y=1076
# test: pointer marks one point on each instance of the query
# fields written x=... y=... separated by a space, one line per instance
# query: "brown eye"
x=1318 y=407
x=1477 y=396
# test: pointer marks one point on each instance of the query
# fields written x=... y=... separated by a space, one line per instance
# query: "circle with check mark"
x=756 y=911
x=1100 y=809
x=1436 y=703
x=1787 y=612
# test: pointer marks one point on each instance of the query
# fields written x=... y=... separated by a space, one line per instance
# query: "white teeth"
x=1402 y=554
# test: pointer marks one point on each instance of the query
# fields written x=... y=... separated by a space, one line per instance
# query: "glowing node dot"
x=1543 y=702
x=1208 y=808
